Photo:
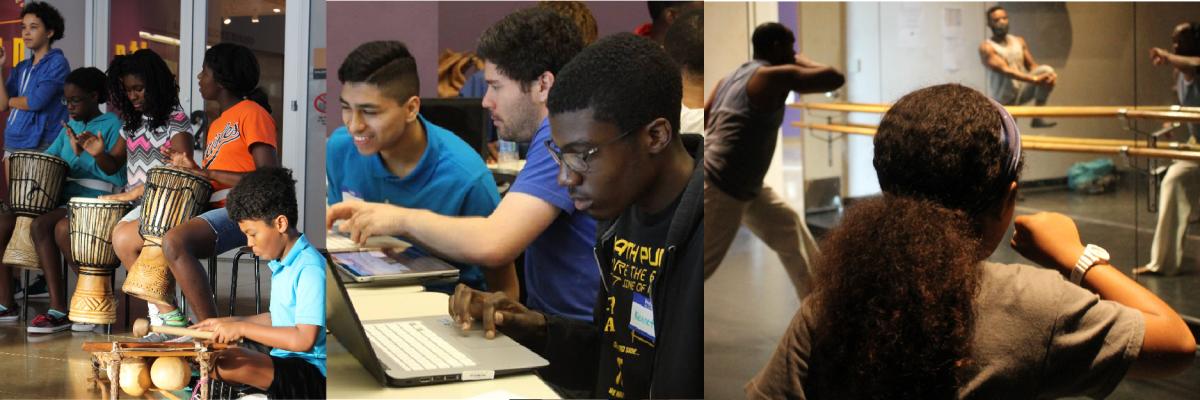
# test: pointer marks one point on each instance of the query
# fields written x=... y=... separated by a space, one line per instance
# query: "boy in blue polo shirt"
x=264 y=206
x=388 y=153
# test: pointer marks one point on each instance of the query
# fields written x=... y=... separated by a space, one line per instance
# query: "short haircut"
x=386 y=64
x=91 y=80
x=657 y=8
x=578 y=13
x=769 y=34
x=1189 y=40
x=685 y=41
x=49 y=16
x=988 y=14
x=625 y=79
x=264 y=194
x=529 y=42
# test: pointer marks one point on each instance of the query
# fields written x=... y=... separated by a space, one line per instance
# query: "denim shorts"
x=229 y=235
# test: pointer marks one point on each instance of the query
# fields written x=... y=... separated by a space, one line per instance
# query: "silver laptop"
x=421 y=351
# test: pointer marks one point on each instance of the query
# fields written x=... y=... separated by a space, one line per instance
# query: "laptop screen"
x=344 y=323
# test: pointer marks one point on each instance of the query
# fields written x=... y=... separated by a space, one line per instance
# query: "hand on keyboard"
x=495 y=310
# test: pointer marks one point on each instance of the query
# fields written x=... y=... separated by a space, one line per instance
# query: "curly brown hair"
x=895 y=286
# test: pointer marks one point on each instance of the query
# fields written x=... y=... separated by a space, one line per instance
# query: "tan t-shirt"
x=1036 y=336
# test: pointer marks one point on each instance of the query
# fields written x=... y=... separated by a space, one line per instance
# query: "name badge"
x=641 y=316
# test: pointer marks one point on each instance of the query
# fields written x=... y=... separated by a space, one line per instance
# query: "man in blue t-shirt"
x=34 y=91
x=388 y=153
x=522 y=53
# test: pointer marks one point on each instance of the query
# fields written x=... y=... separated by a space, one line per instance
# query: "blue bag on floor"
x=1092 y=177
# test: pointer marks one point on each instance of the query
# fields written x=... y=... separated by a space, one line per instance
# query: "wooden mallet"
x=142 y=326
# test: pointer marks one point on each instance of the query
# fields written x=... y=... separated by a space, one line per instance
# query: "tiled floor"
x=53 y=366
x=749 y=301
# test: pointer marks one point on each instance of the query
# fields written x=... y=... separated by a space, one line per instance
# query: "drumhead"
x=90 y=200
x=36 y=155
x=173 y=170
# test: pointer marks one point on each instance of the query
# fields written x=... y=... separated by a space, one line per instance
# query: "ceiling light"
x=227 y=20
x=277 y=11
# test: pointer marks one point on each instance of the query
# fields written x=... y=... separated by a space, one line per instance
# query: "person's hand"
x=178 y=158
x=361 y=219
x=1158 y=56
x=3 y=55
x=1049 y=239
x=496 y=311
x=91 y=143
x=123 y=196
x=225 y=330
x=72 y=138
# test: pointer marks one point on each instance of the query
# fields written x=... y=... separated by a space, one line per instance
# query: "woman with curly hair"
x=144 y=91
x=905 y=304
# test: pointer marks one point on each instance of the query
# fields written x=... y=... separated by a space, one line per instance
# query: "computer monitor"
x=466 y=117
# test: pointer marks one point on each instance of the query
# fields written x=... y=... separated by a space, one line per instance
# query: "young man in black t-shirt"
x=613 y=113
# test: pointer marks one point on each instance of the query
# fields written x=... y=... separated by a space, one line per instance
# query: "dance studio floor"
x=53 y=366
x=749 y=301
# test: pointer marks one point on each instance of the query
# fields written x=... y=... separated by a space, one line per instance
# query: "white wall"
x=895 y=48
x=73 y=30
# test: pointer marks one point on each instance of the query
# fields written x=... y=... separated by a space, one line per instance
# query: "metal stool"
x=212 y=280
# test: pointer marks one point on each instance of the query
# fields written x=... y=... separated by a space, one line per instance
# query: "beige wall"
x=727 y=34
x=821 y=37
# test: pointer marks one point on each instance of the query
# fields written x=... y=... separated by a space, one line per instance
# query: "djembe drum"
x=35 y=181
x=172 y=197
x=92 y=223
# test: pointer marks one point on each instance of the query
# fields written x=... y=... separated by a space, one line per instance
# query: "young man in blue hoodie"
x=34 y=91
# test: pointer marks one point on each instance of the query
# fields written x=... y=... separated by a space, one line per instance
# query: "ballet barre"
x=1162 y=113
x=1050 y=143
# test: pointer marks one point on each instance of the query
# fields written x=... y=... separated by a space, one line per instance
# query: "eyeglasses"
x=577 y=161
x=73 y=101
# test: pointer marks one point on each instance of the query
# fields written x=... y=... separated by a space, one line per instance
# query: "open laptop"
x=421 y=351
x=389 y=262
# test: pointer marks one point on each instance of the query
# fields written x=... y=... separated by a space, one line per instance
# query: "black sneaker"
x=37 y=289
x=45 y=323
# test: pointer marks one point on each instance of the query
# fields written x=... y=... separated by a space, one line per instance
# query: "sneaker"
x=10 y=314
x=37 y=289
x=82 y=327
x=45 y=323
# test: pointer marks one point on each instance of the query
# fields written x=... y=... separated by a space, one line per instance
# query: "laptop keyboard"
x=415 y=347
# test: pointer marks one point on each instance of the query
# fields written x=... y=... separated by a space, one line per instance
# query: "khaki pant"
x=770 y=219
x=1179 y=197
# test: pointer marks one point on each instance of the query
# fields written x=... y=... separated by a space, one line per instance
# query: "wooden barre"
x=1068 y=145
x=1163 y=113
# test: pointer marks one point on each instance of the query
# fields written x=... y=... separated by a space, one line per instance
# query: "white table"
x=348 y=379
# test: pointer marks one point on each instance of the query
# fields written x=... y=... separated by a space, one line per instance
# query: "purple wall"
x=457 y=26
x=461 y=23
